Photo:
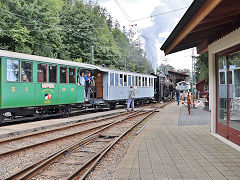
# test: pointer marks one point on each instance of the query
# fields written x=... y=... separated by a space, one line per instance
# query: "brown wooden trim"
x=221 y=129
x=206 y=8
x=229 y=50
x=233 y=135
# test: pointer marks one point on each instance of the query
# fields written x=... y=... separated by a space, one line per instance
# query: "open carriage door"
x=99 y=84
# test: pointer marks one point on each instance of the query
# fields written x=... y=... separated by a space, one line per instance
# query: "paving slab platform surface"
x=165 y=150
x=18 y=129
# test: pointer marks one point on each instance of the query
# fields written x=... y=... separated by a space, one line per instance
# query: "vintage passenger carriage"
x=112 y=87
x=38 y=85
x=33 y=86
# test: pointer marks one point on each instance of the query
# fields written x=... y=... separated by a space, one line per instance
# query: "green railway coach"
x=38 y=84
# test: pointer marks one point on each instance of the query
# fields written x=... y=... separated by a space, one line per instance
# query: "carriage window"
x=230 y=77
x=72 y=76
x=129 y=80
x=111 y=79
x=143 y=84
x=12 y=70
x=139 y=81
x=63 y=74
x=133 y=81
x=146 y=81
x=116 y=79
x=222 y=77
x=26 y=71
x=121 y=80
x=149 y=82
x=136 y=81
x=52 y=73
x=125 y=80
x=42 y=73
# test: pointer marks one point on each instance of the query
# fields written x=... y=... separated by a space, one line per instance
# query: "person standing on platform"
x=177 y=94
x=88 y=80
x=131 y=97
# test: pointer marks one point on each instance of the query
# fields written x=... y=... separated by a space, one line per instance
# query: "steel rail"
x=93 y=161
x=60 y=128
x=52 y=140
x=31 y=170
x=85 y=169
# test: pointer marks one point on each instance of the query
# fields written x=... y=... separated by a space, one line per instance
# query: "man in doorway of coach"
x=88 y=80
x=177 y=94
x=131 y=96
x=82 y=82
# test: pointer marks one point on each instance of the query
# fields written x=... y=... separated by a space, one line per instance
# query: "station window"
x=63 y=74
x=42 y=73
x=133 y=81
x=230 y=77
x=12 y=70
x=111 y=79
x=222 y=77
x=129 y=80
x=116 y=79
x=121 y=80
x=72 y=75
x=52 y=73
x=26 y=71
x=125 y=80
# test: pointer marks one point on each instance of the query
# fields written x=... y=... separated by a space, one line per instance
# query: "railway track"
x=76 y=160
x=52 y=135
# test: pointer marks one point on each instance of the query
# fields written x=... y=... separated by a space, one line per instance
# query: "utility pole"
x=193 y=72
x=92 y=54
x=125 y=64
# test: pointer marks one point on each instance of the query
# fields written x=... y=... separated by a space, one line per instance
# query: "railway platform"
x=29 y=127
x=176 y=146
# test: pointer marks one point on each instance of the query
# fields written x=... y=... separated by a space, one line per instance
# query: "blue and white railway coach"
x=116 y=86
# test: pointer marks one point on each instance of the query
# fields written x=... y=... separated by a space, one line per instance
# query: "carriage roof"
x=124 y=72
x=4 y=53
x=9 y=54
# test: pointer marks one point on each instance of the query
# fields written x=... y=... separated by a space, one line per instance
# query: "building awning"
x=204 y=22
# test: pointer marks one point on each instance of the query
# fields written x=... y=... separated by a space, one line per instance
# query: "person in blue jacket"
x=88 y=81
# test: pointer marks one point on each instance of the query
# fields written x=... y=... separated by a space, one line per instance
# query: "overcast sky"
x=154 y=30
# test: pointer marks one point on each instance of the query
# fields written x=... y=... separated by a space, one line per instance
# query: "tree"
x=202 y=67
x=67 y=29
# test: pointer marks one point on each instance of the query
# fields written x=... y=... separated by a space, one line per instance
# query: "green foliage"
x=67 y=29
x=202 y=67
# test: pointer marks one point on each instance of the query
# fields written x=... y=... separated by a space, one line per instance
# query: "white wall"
x=226 y=42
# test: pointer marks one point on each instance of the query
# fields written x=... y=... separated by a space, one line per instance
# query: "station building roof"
x=204 y=22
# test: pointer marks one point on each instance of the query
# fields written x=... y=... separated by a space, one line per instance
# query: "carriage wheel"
x=66 y=110
x=1 y=118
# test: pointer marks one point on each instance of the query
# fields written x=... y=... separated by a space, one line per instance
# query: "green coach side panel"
x=16 y=94
x=46 y=94
x=80 y=94
x=67 y=93
x=1 y=82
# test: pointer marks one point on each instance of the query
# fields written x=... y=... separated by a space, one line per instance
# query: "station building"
x=214 y=26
